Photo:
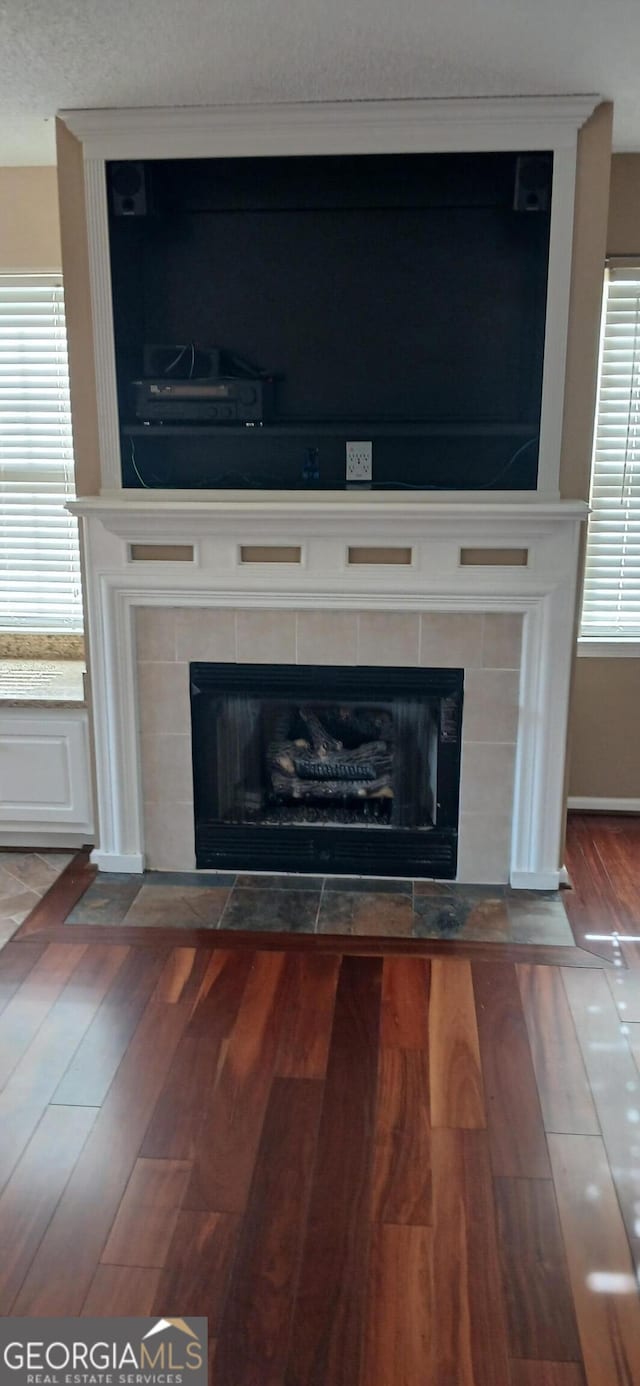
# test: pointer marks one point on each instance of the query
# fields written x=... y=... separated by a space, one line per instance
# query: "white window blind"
x=39 y=555
x=611 y=600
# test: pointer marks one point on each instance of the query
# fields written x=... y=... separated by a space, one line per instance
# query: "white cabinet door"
x=44 y=769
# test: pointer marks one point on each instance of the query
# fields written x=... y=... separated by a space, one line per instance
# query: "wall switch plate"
x=359 y=462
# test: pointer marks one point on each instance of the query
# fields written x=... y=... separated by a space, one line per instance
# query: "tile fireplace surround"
x=486 y=586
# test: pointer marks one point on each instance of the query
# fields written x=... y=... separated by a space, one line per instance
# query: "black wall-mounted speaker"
x=128 y=184
x=532 y=192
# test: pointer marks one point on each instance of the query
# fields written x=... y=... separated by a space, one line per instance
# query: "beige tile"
x=327 y=637
x=487 y=777
x=388 y=637
x=166 y=767
x=490 y=705
x=155 y=633
x=163 y=698
x=29 y=869
x=502 y=640
x=266 y=637
x=485 y=849
x=206 y=634
x=169 y=837
x=450 y=640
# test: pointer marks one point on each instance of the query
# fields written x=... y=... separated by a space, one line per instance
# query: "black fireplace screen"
x=314 y=768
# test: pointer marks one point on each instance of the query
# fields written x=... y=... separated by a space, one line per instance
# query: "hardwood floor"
x=366 y=1168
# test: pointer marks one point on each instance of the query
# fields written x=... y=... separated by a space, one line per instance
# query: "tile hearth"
x=332 y=905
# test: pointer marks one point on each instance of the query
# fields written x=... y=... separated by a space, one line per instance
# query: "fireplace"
x=320 y=769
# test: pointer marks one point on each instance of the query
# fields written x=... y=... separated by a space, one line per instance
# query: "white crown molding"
x=336 y=127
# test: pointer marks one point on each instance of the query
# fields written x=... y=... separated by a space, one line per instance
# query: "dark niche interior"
x=302 y=768
x=397 y=300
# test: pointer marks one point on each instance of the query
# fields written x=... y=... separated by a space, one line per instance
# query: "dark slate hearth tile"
x=189 y=878
x=538 y=917
x=370 y=885
x=295 y=882
x=108 y=899
x=440 y=916
x=445 y=889
x=175 y=907
x=437 y=888
x=358 y=912
x=286 y=911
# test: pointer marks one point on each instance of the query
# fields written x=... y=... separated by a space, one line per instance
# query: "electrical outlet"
x=359 y=461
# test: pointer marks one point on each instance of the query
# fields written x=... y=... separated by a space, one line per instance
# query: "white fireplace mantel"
x=543 y=590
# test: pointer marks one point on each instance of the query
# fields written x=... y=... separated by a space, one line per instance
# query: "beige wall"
x=29 y=224
x=605 y=745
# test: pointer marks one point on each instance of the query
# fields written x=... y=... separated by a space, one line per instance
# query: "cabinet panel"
x=44 y=768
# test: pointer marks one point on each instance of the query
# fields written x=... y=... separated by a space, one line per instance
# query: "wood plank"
x=540 y=1316
x=624 y=985
x=35 y=1078
x=53 y=908
x=304 y=1048
x=260 y=1298
x=589 y=904
x=469 y=1345
x=30 y=1197
x=92 y=1069
x=144 y=1223
x=602 y=1276
x=16 y=962
x=328 y=1319
x=135 y=936
x=230 y=1133
x=402 y=1159
x=404 y=1022
x=546 y=1374
x=614 y=1083
x=198 y=1266
x=122 y=1292
x=57 y=1283
x=23 y=1016
x=457 y=1097
x=397 y=1344
x=514 y=1119
x=175 y=1126
x=176 y=975
x=565 y=1096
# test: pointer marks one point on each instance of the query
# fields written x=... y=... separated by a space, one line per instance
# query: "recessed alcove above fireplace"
x=326 y=768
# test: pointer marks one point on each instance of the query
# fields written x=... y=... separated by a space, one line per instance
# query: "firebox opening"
x=364 y=777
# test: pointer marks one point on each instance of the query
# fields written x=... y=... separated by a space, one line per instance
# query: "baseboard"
x=34 y=841
x=535 y=880
x=133 y=864
x=596 y=805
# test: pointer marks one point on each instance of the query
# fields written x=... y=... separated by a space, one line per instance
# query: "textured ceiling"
x=76 y=53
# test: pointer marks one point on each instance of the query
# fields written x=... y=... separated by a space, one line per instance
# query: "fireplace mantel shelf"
x=177 y=514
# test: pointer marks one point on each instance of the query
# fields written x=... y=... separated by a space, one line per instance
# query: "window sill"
x=590 y=648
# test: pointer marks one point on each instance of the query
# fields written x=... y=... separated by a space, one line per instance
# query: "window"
x=611 y=602
x=39 y=553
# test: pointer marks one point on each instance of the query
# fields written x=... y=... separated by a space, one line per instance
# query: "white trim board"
x=594 y=804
